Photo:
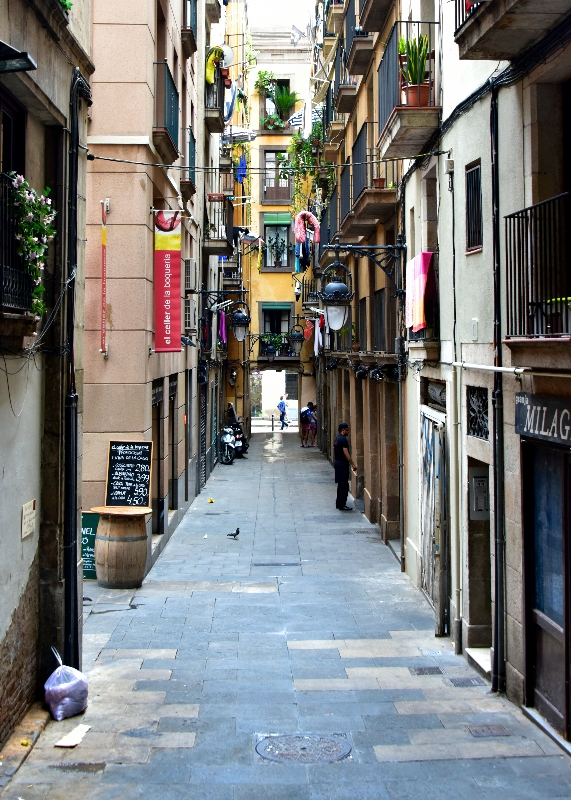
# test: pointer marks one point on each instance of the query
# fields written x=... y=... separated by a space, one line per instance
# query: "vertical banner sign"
x=89 y=523
x=167 y=282
x=103 y=348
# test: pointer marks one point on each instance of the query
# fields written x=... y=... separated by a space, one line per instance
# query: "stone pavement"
x=304 y=624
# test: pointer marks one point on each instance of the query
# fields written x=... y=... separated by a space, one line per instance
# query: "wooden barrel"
x=121 y=546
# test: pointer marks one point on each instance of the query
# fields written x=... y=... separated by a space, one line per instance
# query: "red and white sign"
x=167 y=282
x=103 y=348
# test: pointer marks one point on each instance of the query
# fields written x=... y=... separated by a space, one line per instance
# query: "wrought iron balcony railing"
x=538 y=269
x=408 y=74
x=346 y=194
x=215 y=92
x=166 y=102
x=191 y=156
x=352 y=29
x=309 y=292
x=16 y=283
x=464 y=9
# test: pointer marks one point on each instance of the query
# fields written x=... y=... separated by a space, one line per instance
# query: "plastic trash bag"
x=66 y=691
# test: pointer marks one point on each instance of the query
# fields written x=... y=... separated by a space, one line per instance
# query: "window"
x=379 y=336
x=267 y=105
x=12 y=135
x=274 y=188
x=292 y=382
x=276 y=320
x=277 y=238
x=474 y=207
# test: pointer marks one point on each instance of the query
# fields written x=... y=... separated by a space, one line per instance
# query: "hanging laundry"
x=303 y=219
x=317 y=342
x=222 y=327
x=242 y=169
x=305 y=259
x=297 y=252
x=308 y=330
x=416 y=280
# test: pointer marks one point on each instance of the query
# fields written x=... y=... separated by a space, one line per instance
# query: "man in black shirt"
x=342 y=463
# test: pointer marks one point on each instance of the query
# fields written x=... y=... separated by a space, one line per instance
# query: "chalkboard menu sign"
x=89 y=523
x=129 y=474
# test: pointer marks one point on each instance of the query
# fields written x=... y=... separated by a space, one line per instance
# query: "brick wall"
x=18 y=661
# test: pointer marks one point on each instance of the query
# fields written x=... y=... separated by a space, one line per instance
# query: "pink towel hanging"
x=306 y=218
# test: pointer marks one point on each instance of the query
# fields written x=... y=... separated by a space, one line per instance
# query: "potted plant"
x=355 y=345
x=413 y=55
x=277 y=245
x=273 y=122
x=284 y=100
x=379 y=183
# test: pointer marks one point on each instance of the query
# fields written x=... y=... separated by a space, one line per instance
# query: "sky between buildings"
x=279 y=14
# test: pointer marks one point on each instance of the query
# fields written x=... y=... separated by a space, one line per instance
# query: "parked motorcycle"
x=242 y=443
x=227 y=446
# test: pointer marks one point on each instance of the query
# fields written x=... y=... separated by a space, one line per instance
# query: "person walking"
x=342 y=463
x=305 y=420
x=282 y=408
x=312 y=423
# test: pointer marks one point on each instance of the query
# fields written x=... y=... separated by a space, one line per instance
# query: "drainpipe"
x=455 y=481
x=79 y=87
x=498 y=663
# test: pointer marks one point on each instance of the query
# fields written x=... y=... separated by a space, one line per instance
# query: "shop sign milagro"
x=543 y=417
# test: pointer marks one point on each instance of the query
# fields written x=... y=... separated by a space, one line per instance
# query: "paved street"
x=304 y=624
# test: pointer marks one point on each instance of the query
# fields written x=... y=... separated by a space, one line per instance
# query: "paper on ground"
x=74 y=738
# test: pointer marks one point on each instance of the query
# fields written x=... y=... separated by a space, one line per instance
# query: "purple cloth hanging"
x=222 y=327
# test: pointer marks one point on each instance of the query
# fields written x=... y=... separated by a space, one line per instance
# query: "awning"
x=276 y=306
x=277 y=218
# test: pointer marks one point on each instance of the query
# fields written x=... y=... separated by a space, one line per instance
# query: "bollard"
x=272 y=423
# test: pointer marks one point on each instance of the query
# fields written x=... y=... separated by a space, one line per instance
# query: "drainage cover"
x=485 y=731
x=425 y=671
x=275 y=564
x=470 y=681
x=304 y=748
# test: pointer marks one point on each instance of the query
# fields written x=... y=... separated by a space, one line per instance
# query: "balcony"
x=213 y=11
x=334 y=128
x=538 y=271
x=231 y=273
x=334 y=15
x=424 y=344
x=374 y=183
x=283 y=352
x=218 y=224
x=504 y=29
x=408 y=89
x=16 y=283
x=374 y=14
x=214 y=103
x=309 y=297
x=345 y=85
x=188 y=33
x=165 y=129
x=359 y=45
x=188 y=179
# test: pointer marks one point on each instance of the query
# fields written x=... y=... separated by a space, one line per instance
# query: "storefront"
x=544 y=424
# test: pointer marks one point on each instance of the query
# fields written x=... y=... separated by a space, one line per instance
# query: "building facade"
x=458 y=390
x=43 y=118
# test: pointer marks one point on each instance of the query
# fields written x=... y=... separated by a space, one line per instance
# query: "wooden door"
x=547 y=552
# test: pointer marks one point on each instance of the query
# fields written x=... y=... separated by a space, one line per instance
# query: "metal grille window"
x=292 y=385
x=477 y=403
x=474 y=207
x=379 y=335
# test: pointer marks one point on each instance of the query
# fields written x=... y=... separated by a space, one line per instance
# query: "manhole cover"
x=425 y=671
x=470 y=681
x=304 y=748
x=485 y=731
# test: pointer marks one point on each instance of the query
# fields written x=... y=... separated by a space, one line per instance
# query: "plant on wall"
x=265 y=82
x=273 y=122
x=302 y=163
x=34 y=231
x=65 y=4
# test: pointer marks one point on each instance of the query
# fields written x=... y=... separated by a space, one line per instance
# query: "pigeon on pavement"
x=235 y=534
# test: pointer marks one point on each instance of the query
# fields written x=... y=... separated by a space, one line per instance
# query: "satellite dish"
x=228 y=55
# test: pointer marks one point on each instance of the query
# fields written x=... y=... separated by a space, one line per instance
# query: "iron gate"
x=433 y=513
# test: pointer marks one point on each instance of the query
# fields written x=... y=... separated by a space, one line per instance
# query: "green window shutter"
x=276 y=306
x=277 y=218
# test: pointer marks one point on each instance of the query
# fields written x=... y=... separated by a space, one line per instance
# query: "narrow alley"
x=302 y=625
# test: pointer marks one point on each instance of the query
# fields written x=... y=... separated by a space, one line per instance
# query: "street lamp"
x=296 y=338
x=270 y=352
x=240 y=320
x=336 y=295
x=12 y=60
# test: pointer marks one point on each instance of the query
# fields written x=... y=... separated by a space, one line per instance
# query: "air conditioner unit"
x=190 y=321
x=190 y=275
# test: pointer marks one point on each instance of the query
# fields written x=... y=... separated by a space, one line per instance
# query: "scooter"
x=227 y=446
x=242 y=443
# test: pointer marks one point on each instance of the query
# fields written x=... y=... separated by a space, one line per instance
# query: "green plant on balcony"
x=273 y=122
x=284 y=100
x=34 y=231
x=266 y=82
x=66 y=4
x=304 y=166
x=413 y=54
x=277 y=246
